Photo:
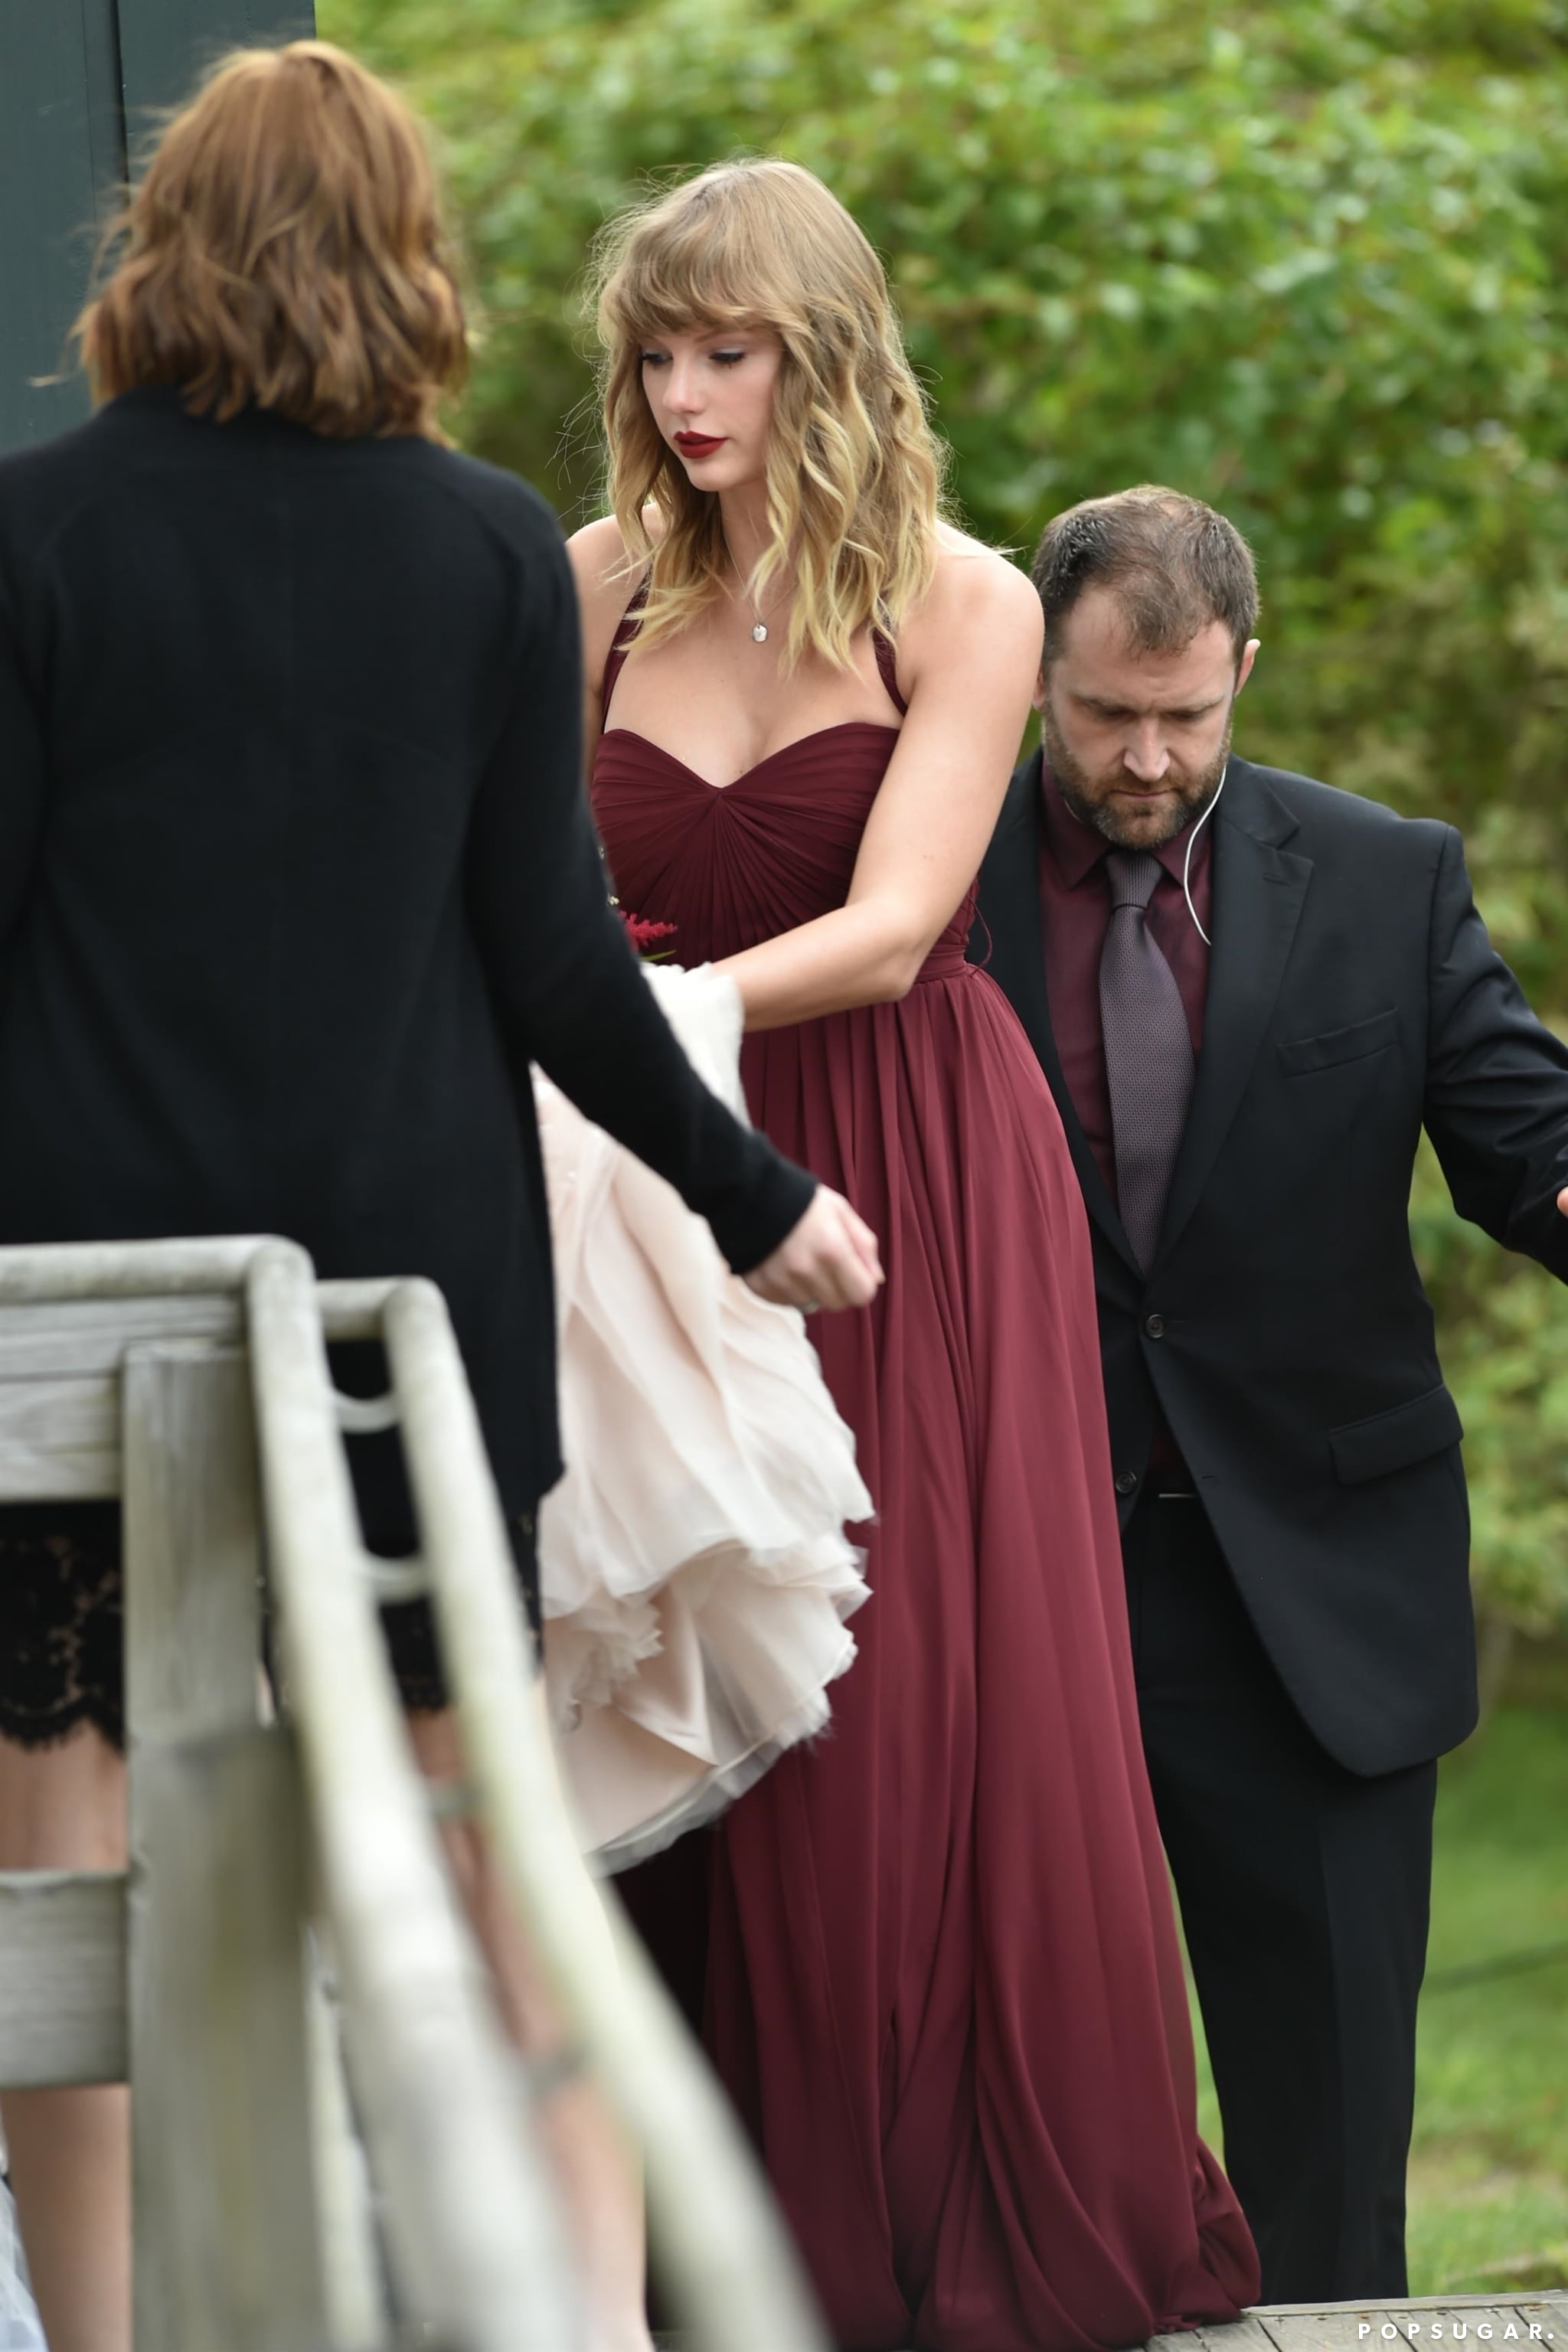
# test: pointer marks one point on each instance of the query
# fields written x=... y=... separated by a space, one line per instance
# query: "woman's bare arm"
x=969 y=662
x=597 y=555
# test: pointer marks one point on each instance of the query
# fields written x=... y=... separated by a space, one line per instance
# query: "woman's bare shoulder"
x=966 y=567
x=598 y=557
x=975 y=594
x=607 y=583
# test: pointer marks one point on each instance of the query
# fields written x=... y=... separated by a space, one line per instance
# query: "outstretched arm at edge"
x=1497 y=1082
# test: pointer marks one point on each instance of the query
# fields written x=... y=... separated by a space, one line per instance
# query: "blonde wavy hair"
x=285 y=249
x=854 y=469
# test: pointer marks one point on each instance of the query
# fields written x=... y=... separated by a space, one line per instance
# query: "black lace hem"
x=62 y=1627
x=61 y=1623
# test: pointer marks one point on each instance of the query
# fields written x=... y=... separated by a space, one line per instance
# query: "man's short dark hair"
x=1173 y=565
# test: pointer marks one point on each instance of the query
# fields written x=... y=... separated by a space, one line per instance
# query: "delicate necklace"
x=759 y=627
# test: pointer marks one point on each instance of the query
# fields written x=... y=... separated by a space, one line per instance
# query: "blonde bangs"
x=700 y=272
x=854 y=478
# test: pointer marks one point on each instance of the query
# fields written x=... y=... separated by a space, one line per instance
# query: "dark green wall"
x=164 y=44
x=74 y=74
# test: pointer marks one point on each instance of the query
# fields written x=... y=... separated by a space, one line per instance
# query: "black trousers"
x=1304 y=1894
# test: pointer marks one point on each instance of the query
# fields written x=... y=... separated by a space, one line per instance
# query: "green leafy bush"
x=1308 y=261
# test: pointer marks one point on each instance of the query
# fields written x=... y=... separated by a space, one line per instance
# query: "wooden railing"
x=287 y=1899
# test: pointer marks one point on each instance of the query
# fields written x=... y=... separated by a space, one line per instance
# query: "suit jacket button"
x=1154 y=1327
x=1125 y=1481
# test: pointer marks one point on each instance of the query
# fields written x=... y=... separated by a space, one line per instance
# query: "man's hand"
x=1563 y=1201
x=829 y=1259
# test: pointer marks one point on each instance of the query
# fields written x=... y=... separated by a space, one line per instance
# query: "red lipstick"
x=700 y=445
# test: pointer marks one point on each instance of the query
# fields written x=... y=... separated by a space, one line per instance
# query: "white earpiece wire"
x=1187 y=861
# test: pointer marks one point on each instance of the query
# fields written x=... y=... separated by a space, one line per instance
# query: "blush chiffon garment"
x=694 y=1575
x=943 y=1983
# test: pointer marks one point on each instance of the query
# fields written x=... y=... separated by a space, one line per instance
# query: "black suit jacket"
x=297 y=876
x=1353 y=996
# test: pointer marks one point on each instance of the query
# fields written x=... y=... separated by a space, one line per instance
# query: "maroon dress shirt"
x=1075 y=901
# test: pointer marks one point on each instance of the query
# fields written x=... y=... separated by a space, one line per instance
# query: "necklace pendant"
x=760 y=633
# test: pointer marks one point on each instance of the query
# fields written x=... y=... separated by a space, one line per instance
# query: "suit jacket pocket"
x=1336 y=1045
x=1394 y=1440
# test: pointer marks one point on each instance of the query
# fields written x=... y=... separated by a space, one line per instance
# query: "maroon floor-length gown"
x=944 y=1987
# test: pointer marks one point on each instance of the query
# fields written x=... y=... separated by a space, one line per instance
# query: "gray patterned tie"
x=1148 y=1051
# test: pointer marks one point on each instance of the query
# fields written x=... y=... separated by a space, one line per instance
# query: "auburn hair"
x=284 y=249
x=854 y=469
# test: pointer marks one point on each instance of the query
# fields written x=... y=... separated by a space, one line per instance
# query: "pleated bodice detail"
x=736 y=863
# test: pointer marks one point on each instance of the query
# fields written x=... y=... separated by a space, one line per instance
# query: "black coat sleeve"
x=564 y=980
x=1497 y=1082
x=22 y=770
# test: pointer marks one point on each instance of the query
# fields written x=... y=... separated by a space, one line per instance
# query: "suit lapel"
x=1011 y=897
x=1259 y=888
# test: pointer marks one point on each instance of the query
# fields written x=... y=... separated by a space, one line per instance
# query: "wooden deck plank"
x=1494 y=2323
x=1243 y=2335
x=1419 y=2320
x=1554 y=2300
x=1335 y=2327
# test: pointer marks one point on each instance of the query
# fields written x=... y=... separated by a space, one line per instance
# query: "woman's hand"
x=969 y=661
x=829 y=1259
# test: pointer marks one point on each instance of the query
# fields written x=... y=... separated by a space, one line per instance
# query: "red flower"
x=642 y=934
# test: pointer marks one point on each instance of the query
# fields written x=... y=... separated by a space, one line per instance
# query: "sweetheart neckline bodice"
x=768 y=759
x=784 y=853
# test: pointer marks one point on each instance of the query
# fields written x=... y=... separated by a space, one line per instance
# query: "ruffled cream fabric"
x=694 y=1570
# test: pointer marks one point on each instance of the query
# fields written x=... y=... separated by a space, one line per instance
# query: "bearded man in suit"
x=1249 y=992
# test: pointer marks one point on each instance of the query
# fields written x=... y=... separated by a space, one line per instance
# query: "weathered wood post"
x=226 y=2248
x=189 y=1972
x=80 y=82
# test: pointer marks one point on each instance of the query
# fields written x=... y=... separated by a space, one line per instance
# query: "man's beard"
x=1195 y=795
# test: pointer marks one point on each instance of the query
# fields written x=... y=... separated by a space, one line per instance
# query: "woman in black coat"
x=296 y=879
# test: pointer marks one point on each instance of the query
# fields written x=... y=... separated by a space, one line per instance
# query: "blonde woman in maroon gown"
x=943 y=1983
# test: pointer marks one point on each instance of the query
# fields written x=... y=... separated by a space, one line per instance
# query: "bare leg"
x=597 y=2174
x=63 y=1808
